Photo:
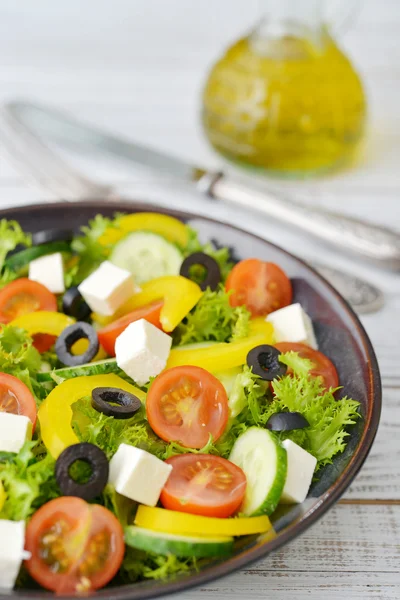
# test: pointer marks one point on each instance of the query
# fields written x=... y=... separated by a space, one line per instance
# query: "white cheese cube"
x=107 y=288
x=12 y=541
x=292 y=324
x=142 y=351
x=138 y=475
x=14 y=431
x=49 y=271
x=300 y=470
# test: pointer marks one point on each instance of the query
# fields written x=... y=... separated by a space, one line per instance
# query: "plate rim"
x=331 y=495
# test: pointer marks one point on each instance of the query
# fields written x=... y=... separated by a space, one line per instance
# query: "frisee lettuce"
x=147 y=565
x=18 y=357
x=29 y=482
x=90 y=253
x=329 y=418
x=11 y=234
x=213 y=319
x=222 y=255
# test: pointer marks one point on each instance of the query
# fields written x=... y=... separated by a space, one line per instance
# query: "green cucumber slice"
x=20 y=261
x=147 y=256
x=101 y=367
x=259 y=453
x=180 y=545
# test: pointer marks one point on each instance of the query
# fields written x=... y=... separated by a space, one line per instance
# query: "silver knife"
x=374 y=243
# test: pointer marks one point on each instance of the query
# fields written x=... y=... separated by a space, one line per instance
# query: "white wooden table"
x=137 y=68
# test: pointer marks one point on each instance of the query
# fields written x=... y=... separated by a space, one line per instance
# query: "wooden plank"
x=352 y=552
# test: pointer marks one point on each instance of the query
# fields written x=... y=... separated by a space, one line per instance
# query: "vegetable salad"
x=158 y=399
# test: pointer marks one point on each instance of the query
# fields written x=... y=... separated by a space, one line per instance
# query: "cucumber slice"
x=147 y=256
x=20 y=261
x=101 y=367
x=180 y=545
x=259 y=453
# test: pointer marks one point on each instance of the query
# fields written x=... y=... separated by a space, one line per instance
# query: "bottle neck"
x=301 y=20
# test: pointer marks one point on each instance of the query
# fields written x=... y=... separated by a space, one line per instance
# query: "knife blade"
x=366 y=240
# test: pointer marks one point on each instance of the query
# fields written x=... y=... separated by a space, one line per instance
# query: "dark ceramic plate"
x=340 y=336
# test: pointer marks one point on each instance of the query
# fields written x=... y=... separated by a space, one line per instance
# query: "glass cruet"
x=285 y=98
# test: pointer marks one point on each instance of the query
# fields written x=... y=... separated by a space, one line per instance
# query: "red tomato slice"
x=186 y=405
x=16 y=398
x=323 y=366
x=23 y=296
x=203 y=484
x=108 y=335
x=261 y=286
x=75 y=546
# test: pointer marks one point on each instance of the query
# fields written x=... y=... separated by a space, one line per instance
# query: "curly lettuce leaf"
x=329 y=418
x=29 y=482
x=213 y=319
x=108 y=433
x=11 y=234
x=18 y=357
x=139 y=565
x=221 y=254
x=90 y=253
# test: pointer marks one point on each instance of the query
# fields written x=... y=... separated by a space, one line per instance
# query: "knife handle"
x=372 y=242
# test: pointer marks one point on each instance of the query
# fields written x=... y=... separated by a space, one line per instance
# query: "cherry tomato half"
x=24 y=296
x=108 y=335
x=203 y=484
x=323 y=366
x=16 y=398
x=261 y=286
x=187 y=404
x=74 y=546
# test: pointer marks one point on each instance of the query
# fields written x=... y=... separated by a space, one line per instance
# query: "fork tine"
x=43 y=164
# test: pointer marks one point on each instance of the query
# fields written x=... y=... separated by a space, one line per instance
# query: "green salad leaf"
x=28 y=481
x=147 y=565
x=11 y=234
x=18 y=357
x=329 y=418
x=90 y=253
x=221 y=255
x=213 y=319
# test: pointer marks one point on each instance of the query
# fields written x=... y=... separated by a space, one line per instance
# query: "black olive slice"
x=74 y=305
x=114 y=402
x=213 y=275
x=95 y=458
x=67 y=339
x=286 y=421
x=52 y=235
x=264 y=361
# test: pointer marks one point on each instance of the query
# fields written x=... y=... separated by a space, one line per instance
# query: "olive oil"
x=290 y=105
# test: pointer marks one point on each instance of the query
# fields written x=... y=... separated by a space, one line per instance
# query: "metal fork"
x=47 y=168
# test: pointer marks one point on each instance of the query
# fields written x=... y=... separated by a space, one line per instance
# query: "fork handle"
x=378 y=244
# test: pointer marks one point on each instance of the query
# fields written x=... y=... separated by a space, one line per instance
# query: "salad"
x=158 y=400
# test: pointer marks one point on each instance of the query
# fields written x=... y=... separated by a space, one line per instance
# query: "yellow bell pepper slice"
x=260 y=325
x=218 y=357
x=180 y=295
x=3 y=496
x=171 y=521
x=43 y=321
x=173 y=230
x=53 y=323
x=55 y=413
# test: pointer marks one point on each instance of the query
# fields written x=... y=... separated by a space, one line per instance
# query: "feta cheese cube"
x=107 y=288
x=49 y=271
x=300 y=470
x=14 y=431
x=12 y=541
x=292 y=324
x=138 y=475
x=142 y=351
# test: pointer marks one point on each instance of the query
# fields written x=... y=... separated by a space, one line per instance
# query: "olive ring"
x=264 y=362
x=95 y=458
x=69 y=337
